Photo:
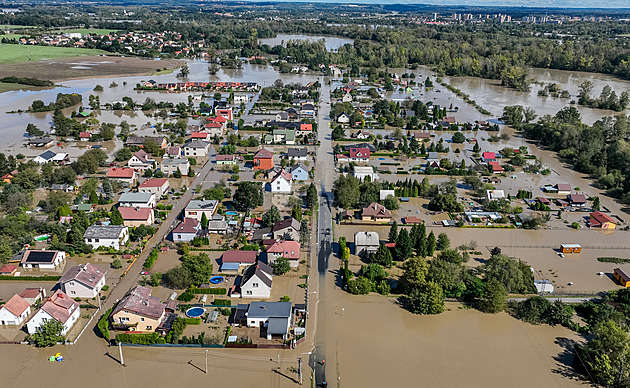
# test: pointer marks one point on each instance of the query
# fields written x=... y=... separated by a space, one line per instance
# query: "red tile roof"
x=188 y=225
x=224 y=157
x=155 y=182
x=7 y=269
x=16 y=305
x=239 y=257
x=599 y=218
x=412 y=220
x=198 y=135
x=31 y=293
x=377 y=210
x=289 y=249
x=263 y=154
x=135 y=213
x=363 y=153
x=214 y=125
x=488 y=155
x=84 y=135
x=120 y=172
x=87 y=274
x=496 y=167
x=59 y=305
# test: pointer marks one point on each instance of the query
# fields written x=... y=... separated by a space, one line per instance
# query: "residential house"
x=361 y=135
x=563 y=188
x=346 y=98
x=286 y=229
x=263 y=160
x=150 y=84
x=139 y=311
x=174 y=152
x=137 y=200
x=240 y=257
x=83 y=281
x=383 y=194
x=7 y=178
x=359 y=155
x=287 y=249
x=15 y=311
x=600 y=220
x=307 y=110
x=225 y=159
x=33 y=295
x=343 y=118
x=85 y=136
x=41 y=142
x=297 y=154
x=197 y=207
x=305 y=128
x=433 y=160
x=186 y=230
x=577 y=200
x=281 y=183
x=139 y=141
x=375 y=212
x=8 y=269
x=493 y=195
x=136 y=216
x=363 y=172
x=59 y=307
x=170 y=166
x=61 y=158
x=42 y=259
x=199 y=136
x=141 y=161
x=282 y=116
x=281 y=136
x=213 y=129
x=275 y=316
x=123 y=174
x=496 y=167
x=299 y=172
x=217 y=226
x=109 y=236
x=44 y=157
x=488 y=157
x=157 y=186
x=62 y=187
x=256 y=281
x=196 y=148
x=366 y=242
x=241 y=99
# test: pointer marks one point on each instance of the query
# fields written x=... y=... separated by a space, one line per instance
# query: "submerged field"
x=15 y=53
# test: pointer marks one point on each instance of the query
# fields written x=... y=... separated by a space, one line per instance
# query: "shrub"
x=212 y=291
x=103 y=324
x=616 y=260
x=140 y=339
x=186 y=297
x=116 y=264
x=45 y=278
x=151 y=258
x=222 y=302
x=105 y=287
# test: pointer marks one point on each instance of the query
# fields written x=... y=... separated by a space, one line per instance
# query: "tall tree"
x=383 y=256
x=403 y=245
x=431 y=243
x=204 y=221
x=494 y=298
x=393 y=232
x=116 y=218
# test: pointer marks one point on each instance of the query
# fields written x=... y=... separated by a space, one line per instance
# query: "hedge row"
x=46 y=278
x=616 y=260
x=152 y=258
x=103 y=324
x=141 y=339
x=222 y=302
x=215 y=291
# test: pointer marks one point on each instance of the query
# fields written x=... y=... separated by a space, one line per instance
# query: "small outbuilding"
x=570 y=248
x=621 y=277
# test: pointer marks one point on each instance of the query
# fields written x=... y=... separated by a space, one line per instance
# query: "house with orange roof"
x=600 y=220
x=263 y=160
x=287 y=249
x=15 y=311
x=123 y=174
x=136 y=216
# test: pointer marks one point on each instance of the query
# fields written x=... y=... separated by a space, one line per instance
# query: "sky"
x=494 y=3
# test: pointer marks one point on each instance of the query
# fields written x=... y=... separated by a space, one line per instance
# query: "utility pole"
x=300 y=369
x=206 y=361
x=122 y=362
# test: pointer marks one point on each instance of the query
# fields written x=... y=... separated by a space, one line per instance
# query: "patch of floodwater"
x=81 y=67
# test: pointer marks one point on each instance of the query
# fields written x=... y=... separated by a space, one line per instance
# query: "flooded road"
x=332 y=43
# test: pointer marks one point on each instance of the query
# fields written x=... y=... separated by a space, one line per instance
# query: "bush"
x=116 y=264
x=212 y=291
x=616 y=260
x=186 y=297
x=152 y=258
x=103 y=324
x=222 y=302
x=140 y=339
x=48 y=334
x=45 y=278
x=105 y=287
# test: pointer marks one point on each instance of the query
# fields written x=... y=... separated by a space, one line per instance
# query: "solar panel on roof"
x=40 y=257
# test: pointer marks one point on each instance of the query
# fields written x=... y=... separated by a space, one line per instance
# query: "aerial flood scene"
x=327 y=194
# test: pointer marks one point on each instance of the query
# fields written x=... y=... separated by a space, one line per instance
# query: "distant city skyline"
x=602 y=4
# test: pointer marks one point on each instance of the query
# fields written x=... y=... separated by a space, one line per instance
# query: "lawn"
x=13 y=53
x=13 y=27
x=162 y=71
x=12 y=36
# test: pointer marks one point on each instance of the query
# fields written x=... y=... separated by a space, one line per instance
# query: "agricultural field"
x=85 y=31
x=12 y=53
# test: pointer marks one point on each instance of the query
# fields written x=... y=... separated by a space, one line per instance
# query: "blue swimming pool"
x=195 y=312
x=231 y=213
x=216 y=279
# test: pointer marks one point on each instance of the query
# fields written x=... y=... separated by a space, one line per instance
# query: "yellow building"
x=139 y=311
x=621 y=277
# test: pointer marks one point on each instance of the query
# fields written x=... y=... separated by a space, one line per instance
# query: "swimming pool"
x=195 y=312
x=216 y=279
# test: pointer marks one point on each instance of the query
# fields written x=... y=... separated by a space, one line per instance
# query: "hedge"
x=140 y=339
x=103 y=324
x=215 y=291
x=151 y=258
x=45 y=278
x=222 y=302
x=616 y=260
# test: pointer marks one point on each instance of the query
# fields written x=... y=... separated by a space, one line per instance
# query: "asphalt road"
x=325 y=169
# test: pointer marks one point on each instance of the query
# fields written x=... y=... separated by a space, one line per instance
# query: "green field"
x=14 y=53
x=85 y=31
x=10 y=27
x=12 y=36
